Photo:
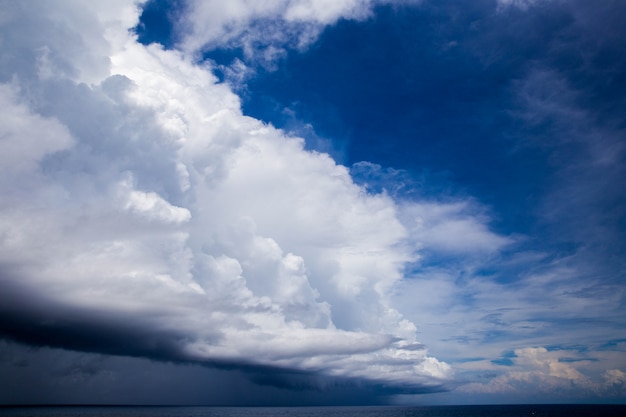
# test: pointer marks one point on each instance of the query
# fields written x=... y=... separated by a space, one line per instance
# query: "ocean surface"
x=435 y=411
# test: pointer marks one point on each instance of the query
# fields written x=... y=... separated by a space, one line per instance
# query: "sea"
x=551 y=410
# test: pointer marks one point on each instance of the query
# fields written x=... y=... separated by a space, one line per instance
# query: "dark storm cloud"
x=35 y=321
x=28 y=318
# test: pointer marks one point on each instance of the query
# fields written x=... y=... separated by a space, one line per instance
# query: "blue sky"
x=291 y=203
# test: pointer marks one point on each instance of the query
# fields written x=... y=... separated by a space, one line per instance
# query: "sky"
x=311 y=202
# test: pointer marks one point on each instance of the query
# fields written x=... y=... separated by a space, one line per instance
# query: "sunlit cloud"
x=148 y=209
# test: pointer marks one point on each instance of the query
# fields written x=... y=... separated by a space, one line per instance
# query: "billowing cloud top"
x=143 y=214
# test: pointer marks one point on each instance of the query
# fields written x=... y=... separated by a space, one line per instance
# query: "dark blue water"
x=436 y=411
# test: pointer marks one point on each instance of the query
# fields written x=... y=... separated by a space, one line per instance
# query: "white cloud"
x=614 y=377
x=453 y=228
x=264 y=29
x=521 y=4
x=276 y=22
x=537 y=371
x=26 y=138
x=136 y=193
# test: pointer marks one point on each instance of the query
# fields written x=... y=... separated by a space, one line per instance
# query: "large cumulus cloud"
x=143 y=214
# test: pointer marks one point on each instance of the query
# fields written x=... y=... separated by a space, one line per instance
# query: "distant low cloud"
x=537 y=371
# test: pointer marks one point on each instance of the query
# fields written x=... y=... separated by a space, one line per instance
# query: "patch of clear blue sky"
x=156 y=24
